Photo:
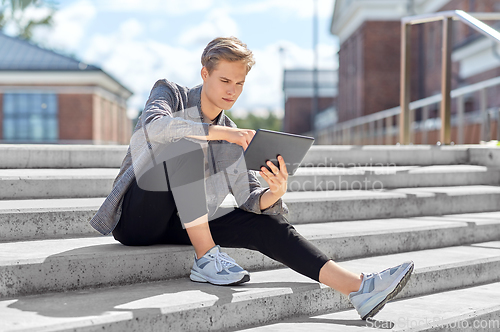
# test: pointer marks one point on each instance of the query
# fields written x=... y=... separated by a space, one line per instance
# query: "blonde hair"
x=226 y=48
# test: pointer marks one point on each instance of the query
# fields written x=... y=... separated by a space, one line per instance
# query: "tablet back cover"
x=268 y=144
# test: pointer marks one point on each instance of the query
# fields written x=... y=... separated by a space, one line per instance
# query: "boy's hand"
x=238 y=136
x=277 y=179
x=241 y=137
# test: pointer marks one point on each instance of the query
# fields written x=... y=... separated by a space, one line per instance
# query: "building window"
x=30 y=117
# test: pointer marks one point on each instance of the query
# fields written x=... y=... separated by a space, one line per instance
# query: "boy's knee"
x=276 y=221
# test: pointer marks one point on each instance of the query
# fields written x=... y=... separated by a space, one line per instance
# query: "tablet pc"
x=268 y=144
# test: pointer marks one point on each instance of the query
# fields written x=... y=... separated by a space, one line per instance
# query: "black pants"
x=150 y=217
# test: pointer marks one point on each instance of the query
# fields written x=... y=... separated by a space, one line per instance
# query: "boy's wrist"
x=216 y=132
x=268 y=199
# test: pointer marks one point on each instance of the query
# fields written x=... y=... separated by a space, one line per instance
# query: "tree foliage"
x=17 y=13
x=252 y=121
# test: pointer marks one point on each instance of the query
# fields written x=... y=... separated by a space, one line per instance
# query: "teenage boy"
x=195 y=149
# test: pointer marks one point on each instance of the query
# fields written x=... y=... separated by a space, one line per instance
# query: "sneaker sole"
x=402 y=283
x=197 y=277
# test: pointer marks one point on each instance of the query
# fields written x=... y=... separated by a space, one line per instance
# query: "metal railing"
x=381 y=127
x=473 y=20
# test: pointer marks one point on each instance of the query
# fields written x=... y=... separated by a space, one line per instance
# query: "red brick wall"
x=472 y=134
x=492 y=93
x=76 y=119
x=112 y=123
x=432 y=62
x=369 y=67
x=125 y=127
x=433 y=38
x=369 y=62
x=298 y=113
x=351 y=92
x=106 y=119
x=96 y=120
x=381 y=65
x=75 y=116
x=1 y=116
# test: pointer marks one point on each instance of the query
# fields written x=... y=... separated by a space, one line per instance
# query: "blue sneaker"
x=218 y=268
x=379 y=288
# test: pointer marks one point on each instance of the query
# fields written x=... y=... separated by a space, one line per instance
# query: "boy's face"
x=224 y=85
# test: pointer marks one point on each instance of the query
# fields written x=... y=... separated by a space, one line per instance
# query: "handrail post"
x=380 y=132
x=484 y=116
x=461 y=121
x=404 y=124
x=388 y=130
x=498 y=124
x=372 y=134
x=445 y=135
x=413 y=132
x=425 y=116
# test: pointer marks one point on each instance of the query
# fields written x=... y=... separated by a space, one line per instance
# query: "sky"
x=138 y=42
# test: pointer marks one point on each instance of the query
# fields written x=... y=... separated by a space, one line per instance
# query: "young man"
x=183 y=160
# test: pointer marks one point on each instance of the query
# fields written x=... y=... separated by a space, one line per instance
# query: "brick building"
x=298 y=91
x=369 y=57
x=46 y=97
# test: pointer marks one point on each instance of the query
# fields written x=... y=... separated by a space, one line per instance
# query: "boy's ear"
x=204 y=73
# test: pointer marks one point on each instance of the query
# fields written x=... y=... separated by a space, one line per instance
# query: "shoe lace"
x=223 y=260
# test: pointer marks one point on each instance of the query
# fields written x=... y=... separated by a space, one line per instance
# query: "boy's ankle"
x=201 y=251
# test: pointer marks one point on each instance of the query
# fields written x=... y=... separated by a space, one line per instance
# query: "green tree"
x=14 y=12
x=252 y=121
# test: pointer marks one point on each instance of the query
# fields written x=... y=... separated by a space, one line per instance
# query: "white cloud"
x=263 y=83
x=157 y=24
x=263 y=86
x=217 y=23
x=137 y=61
x=69 y=27
x=170 y=7
x=131 y=28
x=298 y=57
x=300 y=8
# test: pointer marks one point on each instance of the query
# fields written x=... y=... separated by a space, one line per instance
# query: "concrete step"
x=57 y=265
x=269 y=296
x=104 y=156
x=386 y=155
x=469 y=309
x=323 y=206
x=382 y=177
x=57 y=183
x=47 y=218
x=56 y=218
x=97 y=182
x=61 y=156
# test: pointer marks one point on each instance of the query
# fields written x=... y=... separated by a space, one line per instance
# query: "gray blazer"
x=173 y=112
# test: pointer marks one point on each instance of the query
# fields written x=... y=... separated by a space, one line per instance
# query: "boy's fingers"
x=265 y=171
x=282 y=165
x=273 y=167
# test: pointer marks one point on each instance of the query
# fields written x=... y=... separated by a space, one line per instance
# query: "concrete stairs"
x=367 y=207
